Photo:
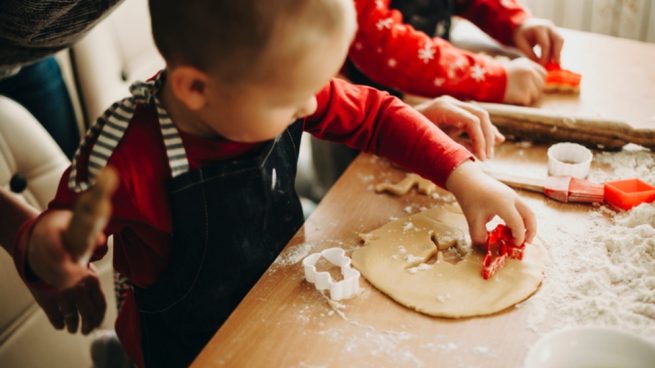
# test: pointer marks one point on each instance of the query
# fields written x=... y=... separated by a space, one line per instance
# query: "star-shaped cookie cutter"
x=339 y=290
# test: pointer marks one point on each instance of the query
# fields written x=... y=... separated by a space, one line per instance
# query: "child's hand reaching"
x=456 y=117
x=543 y=33
x=481 y=198
x=525 y=82
x=47 y=256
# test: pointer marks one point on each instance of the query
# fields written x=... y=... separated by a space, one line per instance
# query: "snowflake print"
x=359 y=46
x=460 y=63
x=439 y=82
x=379 y=4
x=477 y=73
x=426 y=53
x=392 y=63
x=384 y=23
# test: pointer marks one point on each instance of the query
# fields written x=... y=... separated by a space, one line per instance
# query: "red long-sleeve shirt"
x=395 y=55
x=358 y=116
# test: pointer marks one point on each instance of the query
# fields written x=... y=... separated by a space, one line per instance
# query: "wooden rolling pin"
x=90 y=215
x=542 y=125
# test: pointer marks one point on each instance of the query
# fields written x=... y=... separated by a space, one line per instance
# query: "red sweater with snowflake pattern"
x=395 y=55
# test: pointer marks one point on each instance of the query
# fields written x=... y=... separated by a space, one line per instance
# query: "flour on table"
x=294 y=255
x=601 y=276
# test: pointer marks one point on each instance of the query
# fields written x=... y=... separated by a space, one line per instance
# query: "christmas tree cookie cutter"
x=342 y=289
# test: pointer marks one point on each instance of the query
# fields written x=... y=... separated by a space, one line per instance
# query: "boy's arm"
x=13 y=213
x=497 y=18
x=374 y=121
x=396 y=55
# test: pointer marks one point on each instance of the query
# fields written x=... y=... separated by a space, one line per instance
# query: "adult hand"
x=47 y=256
x=64 y=308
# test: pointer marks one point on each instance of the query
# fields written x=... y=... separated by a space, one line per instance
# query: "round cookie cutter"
x=339 y=290
x=569 y=159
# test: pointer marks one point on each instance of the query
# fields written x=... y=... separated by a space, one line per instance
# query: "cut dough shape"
x=396 y=259
x=424 y=186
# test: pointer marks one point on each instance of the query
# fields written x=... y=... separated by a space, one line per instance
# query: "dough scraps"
x=424 y=186
x=409 y=260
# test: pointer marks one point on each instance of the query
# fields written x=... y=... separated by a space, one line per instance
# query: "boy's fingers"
x=514 y=220
x=473 y=128
x=478 y=231
x=488 y=129
x=529 y=219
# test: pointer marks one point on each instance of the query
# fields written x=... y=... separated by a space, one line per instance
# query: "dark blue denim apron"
x=230 y=221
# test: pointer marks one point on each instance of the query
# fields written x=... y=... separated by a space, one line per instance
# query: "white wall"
x=634 y=19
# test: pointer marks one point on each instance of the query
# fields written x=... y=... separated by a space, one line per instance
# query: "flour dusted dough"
x=396 y=259
x=403 y=187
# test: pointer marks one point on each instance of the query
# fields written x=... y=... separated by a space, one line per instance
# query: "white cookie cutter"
x=339 y=290
x=569 y=159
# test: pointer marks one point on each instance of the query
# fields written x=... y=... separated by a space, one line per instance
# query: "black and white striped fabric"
x=108 y=130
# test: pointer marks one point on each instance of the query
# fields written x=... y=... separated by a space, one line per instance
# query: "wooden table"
x=285 y=322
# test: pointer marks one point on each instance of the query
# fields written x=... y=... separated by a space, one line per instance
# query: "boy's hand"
x=543 y=33
x=456 y=117
x=482 y=198
x=47 y=256
x=525 y=82
x=84 y=301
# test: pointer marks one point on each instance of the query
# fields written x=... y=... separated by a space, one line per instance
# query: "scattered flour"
x=633 y=161
x=602 y=275
x=408 y=226
x=294 y=255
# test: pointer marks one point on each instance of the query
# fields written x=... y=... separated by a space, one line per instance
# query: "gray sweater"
x=33 y=29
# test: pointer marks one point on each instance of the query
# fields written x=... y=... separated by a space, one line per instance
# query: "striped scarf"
x=108 y=130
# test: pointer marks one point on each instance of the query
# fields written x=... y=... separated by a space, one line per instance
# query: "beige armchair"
x=27 y=339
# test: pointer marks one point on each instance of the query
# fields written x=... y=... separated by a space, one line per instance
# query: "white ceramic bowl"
x=591 y=347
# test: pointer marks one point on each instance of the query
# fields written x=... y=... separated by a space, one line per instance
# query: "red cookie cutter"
x=499 y=246
x=561 y=80
x=627 y=193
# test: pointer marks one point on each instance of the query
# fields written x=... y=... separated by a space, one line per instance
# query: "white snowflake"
x=392 y=63
x=477 y=73
x=426 y=53
x=384 y=23
x=379 y=4
x=439 y=82
x=460 y=63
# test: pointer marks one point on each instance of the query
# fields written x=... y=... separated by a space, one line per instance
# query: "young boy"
x=207 y=155
x=396 y=47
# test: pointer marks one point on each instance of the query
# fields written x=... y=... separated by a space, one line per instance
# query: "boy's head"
x=246 y=69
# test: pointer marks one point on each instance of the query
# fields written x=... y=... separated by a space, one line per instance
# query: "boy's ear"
x=189 y=85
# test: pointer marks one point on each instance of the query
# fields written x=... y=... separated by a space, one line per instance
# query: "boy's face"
x=261 y=110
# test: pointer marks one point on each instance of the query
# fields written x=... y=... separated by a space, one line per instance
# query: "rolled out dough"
x=396 y=258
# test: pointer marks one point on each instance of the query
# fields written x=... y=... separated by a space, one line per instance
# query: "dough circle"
x=395 y=258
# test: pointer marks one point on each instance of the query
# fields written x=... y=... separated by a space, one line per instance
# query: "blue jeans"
x=40 y=88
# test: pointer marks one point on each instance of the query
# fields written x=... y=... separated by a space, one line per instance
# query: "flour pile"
x=602 y=275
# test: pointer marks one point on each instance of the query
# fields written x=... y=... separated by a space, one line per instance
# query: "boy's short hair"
x=232 y=36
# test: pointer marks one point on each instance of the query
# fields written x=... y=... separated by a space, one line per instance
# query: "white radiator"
x=634 y=19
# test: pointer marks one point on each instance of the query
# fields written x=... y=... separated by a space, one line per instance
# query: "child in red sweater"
x=395 y=48
x=207 y=154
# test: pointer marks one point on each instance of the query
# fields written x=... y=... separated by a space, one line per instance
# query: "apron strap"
x=110 y=127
